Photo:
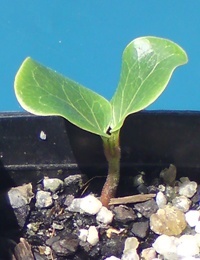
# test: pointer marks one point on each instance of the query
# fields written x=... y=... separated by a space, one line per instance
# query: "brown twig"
x=131 y=199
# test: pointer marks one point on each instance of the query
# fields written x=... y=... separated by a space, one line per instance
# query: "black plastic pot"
x=150 y=141
x=32 y=147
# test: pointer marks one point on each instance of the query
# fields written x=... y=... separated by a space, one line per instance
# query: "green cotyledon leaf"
x=147 y=66
x=42 y=91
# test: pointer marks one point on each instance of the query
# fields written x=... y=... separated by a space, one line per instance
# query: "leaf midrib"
x=123 y=89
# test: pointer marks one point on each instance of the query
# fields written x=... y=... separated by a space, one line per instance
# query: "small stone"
x=21 y=214
x=196 y=197
x=192 y=217
x=143 y=189
x=47 y=250
x=152 y=189
x=51 y=240
x=113 y=246
x=20 y=196
x=55 y=196
x=139 y=215
x=131 y=243
x=161 y=200
x=43 y=135
x=83 y=234
x=74 y=205
x=166 y=246
x=68 y=200
x=66 y=247
x=90 y=205
x=43 y=199
x=130 y=255
x=111 y=231
x=187 y=246
x=104 y=216
x=93 y=236
x=169 y=175
x=182 y=203
x=124 y=214
x=148 y=253
x=147 y=208
x=188 y=189
x=52 y=184
x=41 y=249
x=74 y=183
x=161 y=188
x=16 y=199
x=170 y=193
x=57 y=226
x=184 y=179
x=138 y=179
x=140 y=229
x=169 y=221
x=130 y=246
x=34 y=226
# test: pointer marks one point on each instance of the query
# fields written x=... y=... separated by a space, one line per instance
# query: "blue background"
x=84 y=40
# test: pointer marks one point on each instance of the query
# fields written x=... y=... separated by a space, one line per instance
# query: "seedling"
x=147 y=66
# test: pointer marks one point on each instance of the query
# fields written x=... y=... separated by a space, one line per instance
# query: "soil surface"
x=49 y=229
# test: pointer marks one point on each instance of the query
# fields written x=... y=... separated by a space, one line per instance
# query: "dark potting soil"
x=53 y=232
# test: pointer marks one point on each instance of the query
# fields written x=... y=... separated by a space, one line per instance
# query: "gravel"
x=59 y=224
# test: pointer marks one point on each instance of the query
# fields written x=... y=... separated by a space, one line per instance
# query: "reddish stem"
x=112 y=153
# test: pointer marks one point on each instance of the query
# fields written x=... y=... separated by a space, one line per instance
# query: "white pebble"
x=83 y=234
x=184 y=179
x=112 y=258
x=53 y=184
x=130 y=246
x=47 y=250
x=20 y=196
x=197 y=227
x=16 y=198
x=43 y=135
x=161 y=188
x=182 y=203
x=188 y=189
x=43 y=199
x=93 y=236
x=197 y=237
x=90 y=205
x=57 y=226
x=104 y=216
x=192 y=217
x=148 y=253
x=161 y=199
x=131 y=243
x=187 y=246
x=166 y=246
x=75 y=205
x=130 y=254
x=177 y=248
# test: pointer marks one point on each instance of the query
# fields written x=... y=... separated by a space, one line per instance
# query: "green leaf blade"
x=147 y=66
x=42 y=91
